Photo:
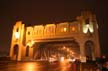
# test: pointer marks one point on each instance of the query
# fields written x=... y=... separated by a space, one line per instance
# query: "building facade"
x=79 y=39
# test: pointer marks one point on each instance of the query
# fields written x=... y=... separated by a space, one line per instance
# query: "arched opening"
x=27 y=51
x=89 y=49
x=57 y=49
x=15 y=52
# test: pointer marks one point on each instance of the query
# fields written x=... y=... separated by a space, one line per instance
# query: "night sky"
x=33 y=12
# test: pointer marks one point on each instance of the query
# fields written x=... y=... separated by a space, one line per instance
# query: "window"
x=64 y=29
x=74 y=29
x=28 y=33
x=87 y=21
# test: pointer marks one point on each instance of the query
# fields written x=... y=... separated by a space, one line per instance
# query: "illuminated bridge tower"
x=78 y=38
x=89 y=41
x=17 y=42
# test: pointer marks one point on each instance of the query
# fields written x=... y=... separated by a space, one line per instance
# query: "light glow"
x=32 y=42
x=88 y=27
x=64 y=47
x=62 y=59
x=73 y=29
x=64 y=29
x=30 y=67
x=16 y=35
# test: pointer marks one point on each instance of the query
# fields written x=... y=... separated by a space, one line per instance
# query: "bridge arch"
x=15 y=51
x=89 y=49
x=27 y=51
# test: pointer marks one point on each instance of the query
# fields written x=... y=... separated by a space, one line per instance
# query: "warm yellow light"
x=72 y=52
x=62 y=59
x=64 y=47
x=67 y=49
x=32 y=42
x=64 y=29
x=28 y=44
x=30 y=67
x=73 y=28
x=16 y=35
x=87 y=25
x=85 y=30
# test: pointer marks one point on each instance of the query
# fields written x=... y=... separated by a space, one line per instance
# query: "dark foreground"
x=44 y=66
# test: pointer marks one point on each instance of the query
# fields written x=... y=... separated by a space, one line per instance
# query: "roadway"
x=45 y=66
x=37 y=66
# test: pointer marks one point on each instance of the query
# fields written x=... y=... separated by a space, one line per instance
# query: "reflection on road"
x=29 y=66
x=37 y=66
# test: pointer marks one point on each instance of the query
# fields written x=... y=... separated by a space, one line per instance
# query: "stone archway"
x=89 y=49
x=15 y=51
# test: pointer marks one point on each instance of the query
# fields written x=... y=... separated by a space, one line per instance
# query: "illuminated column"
x=30 y=35
x=90 y=31
x=82 y=53
x=17 y=41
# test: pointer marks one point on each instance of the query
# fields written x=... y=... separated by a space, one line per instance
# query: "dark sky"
x=33 y=12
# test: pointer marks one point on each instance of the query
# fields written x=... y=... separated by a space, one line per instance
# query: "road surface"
x=37 y=66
